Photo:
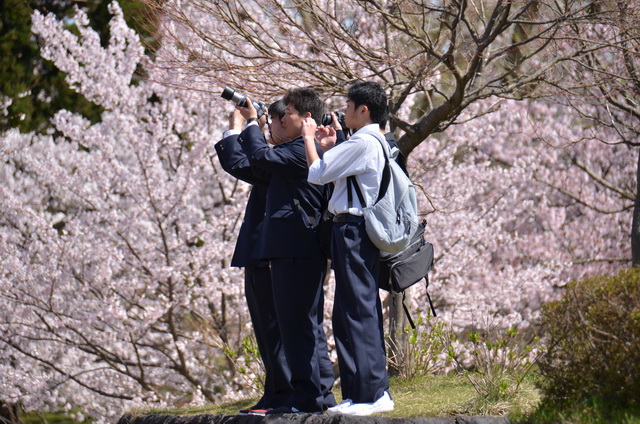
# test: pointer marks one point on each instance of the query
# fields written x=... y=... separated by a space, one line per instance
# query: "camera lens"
x=230 y=94
x=227 y=93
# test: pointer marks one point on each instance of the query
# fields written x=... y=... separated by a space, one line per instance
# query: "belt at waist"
x=347 y=217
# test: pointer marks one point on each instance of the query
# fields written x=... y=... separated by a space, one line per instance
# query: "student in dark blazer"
x=258 y=288
x=298 y=265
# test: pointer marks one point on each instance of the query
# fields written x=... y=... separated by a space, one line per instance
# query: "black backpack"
x=400 y=271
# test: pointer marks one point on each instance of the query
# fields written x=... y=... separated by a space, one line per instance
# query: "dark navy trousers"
x=259 y=294
x=357 y=314
x=299 y=299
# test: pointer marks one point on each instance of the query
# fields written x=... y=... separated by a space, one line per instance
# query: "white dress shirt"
x=228 y=133
x=361 y=156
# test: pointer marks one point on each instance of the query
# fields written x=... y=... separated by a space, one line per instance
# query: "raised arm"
x=233 y=159
x=309 y=129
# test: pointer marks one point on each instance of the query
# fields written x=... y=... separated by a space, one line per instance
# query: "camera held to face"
x=230 y=93
x=327 y=120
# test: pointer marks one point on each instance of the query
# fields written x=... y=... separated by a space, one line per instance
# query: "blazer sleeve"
x=234 y=161
x=288 y=162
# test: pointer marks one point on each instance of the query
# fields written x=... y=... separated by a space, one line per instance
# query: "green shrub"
x=502 y=359
x=594 y=343
x=415 y=352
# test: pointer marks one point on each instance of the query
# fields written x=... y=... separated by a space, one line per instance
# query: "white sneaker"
x=335 y=410
x=383 y=404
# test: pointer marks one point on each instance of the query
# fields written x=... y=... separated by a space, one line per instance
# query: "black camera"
x=230 y=93
x=327 y=120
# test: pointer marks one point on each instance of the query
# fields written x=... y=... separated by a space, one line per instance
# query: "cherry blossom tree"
x=512 y=217
x=435 y=58
x=602 y=86
x=115 y=237
x=115 y=240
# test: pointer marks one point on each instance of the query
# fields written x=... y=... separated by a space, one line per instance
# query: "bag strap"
x=406 y=309
x=386 y=172
x=306 y=220
x=433 y=310
x=351 y=184
x=309 y=221
x=384 y=183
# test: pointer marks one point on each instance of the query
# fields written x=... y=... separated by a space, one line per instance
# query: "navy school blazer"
x=234 y=161
x=285 y=231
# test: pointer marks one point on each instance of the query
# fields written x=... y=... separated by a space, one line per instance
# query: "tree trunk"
x=397 y=333
x=635 y=225
x=9 y=413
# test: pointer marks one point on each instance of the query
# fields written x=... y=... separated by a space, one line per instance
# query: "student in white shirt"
x=357 y=312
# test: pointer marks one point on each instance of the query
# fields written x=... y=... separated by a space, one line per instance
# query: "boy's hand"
x=309 y=128
x=235 y=120
x=249 y=111
x=326 y=137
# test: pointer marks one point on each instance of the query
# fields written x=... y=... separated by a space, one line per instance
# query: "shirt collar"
x=370 y=128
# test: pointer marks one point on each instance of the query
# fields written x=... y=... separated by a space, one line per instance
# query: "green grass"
x=49 y=418
x=429 y=396
x=228 y=408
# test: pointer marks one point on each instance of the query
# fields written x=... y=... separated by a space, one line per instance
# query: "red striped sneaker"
x=254 y=411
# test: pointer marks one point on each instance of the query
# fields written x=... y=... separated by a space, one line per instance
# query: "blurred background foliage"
x=35 y=87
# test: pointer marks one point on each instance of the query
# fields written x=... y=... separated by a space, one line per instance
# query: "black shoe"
x=290 y=410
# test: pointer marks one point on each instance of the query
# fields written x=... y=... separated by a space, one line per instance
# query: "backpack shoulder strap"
x=386 y=171
x=352 y=183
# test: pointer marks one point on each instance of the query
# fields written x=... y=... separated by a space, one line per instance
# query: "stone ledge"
x=303 y=419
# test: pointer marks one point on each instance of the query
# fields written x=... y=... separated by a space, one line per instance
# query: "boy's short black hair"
x=305 y=100
x=277 y=109
x=372 y=95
